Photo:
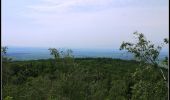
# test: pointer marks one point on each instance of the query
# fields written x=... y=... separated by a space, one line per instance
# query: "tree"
x=69 y=53
x=166 y=40
x=4 y=50
x=4 y=54
x=68 y=57
x=165 y=61
x=54 y=52
x=144 y=51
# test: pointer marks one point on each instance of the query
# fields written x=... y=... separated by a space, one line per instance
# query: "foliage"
x=144 y=51
x=166 y=40
x=8 y=98
x=145 y=84
x=81 y=79
x=165 y=61
x=4 y=50
x=86 y=79
x=54 y=52
x=4 y=54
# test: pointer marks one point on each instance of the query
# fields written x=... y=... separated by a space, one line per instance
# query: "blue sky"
x=82 y=23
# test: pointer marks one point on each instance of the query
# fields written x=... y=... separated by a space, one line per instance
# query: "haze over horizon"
x=82 y=23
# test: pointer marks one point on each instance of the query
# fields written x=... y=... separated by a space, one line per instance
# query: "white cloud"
x=66 y=5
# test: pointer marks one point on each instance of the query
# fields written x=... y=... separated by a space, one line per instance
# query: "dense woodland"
x=82 y=79
x=67 y=78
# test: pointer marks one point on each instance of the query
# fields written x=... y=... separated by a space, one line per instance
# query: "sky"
x=82 y=23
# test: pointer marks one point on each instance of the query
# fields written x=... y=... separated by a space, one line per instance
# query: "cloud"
x=83 y=5
x=83 y=22
x=69 y=5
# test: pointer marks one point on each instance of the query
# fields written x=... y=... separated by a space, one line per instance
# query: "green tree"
x=145 y=51
x=4 y=50
x=68 y=57
x=54 y=52
x=5 y=65
x=4 y=54
x=166 y=40
x=165 y=61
